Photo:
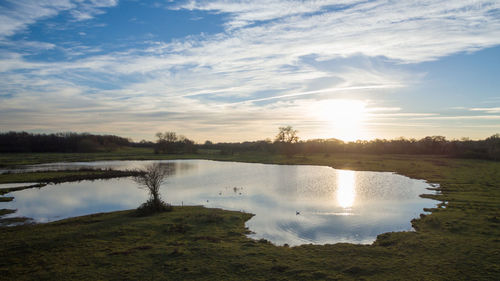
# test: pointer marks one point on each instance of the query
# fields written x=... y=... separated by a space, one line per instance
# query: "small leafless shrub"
x=151 y=179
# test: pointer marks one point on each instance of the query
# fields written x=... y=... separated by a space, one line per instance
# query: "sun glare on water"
x=346 y=188
x=344 y=118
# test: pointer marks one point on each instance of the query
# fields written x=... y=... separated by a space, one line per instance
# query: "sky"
x=238 y=70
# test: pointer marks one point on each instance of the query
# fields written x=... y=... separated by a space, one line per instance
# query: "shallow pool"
x=293 y=204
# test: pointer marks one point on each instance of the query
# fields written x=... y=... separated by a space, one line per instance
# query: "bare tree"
x=286 y=139
x=287 y=135
x=151 y=178
x=167 y=136
x=166 y=142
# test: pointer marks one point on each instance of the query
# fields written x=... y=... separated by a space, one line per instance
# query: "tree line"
x=286 y=142
x=59 y=142
x=169 y=142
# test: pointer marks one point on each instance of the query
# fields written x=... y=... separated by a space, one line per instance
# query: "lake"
x=293 y=204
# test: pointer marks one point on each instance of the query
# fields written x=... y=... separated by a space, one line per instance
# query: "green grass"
x=4 y=212
x=127 y=153
x=61 y=176
x=20 y=187
x=11 y=159
x=459 y=242
x=39 y=176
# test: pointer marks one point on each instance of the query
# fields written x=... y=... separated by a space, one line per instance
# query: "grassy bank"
x=127 y=153
x=62 y=176
x=459 y=242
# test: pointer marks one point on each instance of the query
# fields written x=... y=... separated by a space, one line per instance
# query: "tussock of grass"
x=152 y=207
x=17 y=188
x=4 y=212
x=14 y=221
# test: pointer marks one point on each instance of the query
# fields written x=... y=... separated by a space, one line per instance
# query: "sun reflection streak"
x=346 y=185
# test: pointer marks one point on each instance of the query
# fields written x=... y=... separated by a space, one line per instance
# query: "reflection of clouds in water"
x=77 y=198
x=292 y=204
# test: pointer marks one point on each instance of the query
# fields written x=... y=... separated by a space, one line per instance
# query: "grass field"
x=126 y=153
x=459 y=242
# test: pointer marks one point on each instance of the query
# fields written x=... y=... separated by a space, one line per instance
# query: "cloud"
x=244 y=13
x=27 y=46
x=464 y=117
x=486 y=109
x=273 y=59
x=399 y=115
x=89 y=9
x=403 y=30
x=328 y=90
x=15 y=16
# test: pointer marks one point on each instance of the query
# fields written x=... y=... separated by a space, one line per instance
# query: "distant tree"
x=187 y=146
x=433 y=144
x=143 y=143
x=59 y=142
x=286 y=138
x=165 y=142
x=88 y=145
x=151 y=179
x=169 y=142
x=493 y=145
x=171 y=136
x=287 y=135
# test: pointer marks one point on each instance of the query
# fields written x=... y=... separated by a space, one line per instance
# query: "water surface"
x=292 y=204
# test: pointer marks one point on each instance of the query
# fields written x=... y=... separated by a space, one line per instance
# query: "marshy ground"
x=458 y=242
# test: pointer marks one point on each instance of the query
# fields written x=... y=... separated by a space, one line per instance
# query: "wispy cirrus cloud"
x=89 y=9
x=486 y=109
x=244 y=13
x=327 y=90
x=403 y=30
x=16 y=16
x=463 y=117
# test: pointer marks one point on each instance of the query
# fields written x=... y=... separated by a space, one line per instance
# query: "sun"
x=344 y=118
